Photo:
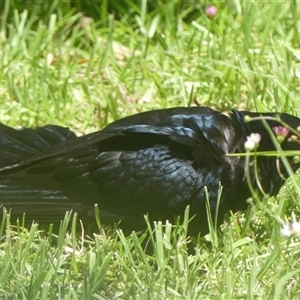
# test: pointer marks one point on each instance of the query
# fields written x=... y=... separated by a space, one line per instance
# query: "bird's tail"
x=18 y=145
x=18 y=191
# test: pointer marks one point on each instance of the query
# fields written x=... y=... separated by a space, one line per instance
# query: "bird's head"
x=278 y=133
x=274 y=128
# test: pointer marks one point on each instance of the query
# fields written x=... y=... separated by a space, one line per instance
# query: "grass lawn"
x=64 y=68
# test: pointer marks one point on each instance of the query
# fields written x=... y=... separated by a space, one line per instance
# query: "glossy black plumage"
x=152 y=163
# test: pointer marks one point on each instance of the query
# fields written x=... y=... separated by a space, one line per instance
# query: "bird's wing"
x=203 y=125
x=202 y=129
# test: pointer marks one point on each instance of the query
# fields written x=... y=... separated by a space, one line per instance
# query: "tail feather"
x=17 y=145
x=18 y=192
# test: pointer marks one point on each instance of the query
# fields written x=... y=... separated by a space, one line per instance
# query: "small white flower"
x=252 y=141
x=249 y=145
x=290 y=229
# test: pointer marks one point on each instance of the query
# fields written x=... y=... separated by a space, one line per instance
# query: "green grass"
x=62 y=68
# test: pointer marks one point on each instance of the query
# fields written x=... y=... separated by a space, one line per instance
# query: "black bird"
x=154 y=163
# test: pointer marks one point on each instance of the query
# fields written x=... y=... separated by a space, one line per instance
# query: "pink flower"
x=211 y=11
x=280 y=130
x=281 y=133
